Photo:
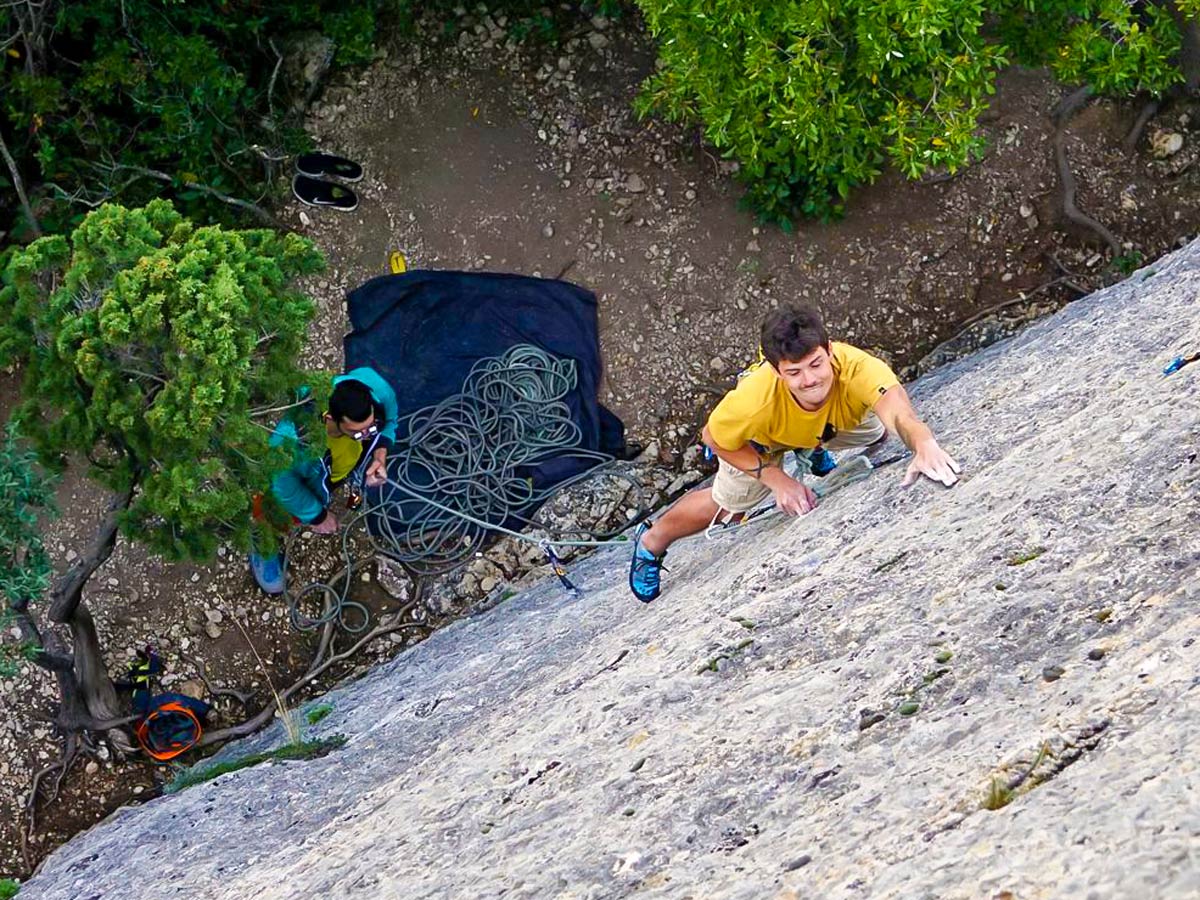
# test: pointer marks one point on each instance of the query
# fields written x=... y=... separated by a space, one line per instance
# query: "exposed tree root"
x=1066 y=279
x=1063 y=113
x=241 y=697
x=319 y=666
x=61 y=766
x=1144 y=116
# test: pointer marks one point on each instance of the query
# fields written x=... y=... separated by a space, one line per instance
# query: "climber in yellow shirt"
x=807 y=394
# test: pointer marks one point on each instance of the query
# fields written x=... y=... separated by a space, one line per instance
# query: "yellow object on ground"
x=397 y=263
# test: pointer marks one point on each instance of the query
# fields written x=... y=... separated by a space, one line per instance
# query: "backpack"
x=170 y=725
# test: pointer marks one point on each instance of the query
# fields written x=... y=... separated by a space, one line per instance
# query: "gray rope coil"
x=466 y=452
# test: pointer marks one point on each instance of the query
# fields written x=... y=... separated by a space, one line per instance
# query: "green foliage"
x=318 y=712
x=812 y=97
x=302 y=750
x=8 y=888
x=191 y=89
x=1128 y=263
x=1118 y=48
x=25 y=493
x=147 y=344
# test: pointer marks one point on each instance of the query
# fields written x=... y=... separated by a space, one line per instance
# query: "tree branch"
x=68 y=591
x=19 y=185
x=45 y=656
x=255 y=210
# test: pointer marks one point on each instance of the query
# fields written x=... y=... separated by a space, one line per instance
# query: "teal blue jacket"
x=305 y=489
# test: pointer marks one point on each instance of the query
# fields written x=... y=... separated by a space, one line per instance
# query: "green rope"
x=467 y=450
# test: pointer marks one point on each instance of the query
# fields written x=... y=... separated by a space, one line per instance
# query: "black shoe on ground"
x=318 y=165
x=315 y=192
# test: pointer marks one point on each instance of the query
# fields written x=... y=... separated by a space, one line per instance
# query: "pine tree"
x=152 y=351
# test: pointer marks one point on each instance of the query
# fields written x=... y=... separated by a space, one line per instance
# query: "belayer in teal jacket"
x=360 y=428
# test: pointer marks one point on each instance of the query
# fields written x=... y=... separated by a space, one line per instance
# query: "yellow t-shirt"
x=763 y=410
x=344 y=454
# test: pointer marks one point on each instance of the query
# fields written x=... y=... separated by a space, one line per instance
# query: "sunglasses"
x=361 y=435
x=369 y=432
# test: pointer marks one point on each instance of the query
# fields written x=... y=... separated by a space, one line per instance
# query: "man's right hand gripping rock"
x=793 y=497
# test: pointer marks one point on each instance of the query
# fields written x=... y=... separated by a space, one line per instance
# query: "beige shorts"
x=735 y=491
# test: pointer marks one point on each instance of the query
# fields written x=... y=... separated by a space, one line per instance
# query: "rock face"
x=988 y=691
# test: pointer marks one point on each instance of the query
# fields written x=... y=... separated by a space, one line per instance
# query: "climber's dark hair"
x=351 y=400
x=792 y=332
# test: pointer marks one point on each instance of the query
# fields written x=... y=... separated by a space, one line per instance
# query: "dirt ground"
x=483 y=155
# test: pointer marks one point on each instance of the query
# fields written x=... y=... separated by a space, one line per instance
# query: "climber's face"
x=809 y=379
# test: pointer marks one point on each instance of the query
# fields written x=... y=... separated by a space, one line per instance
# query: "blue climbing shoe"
x=645 y=569
x=822 y=462
x=268 y=572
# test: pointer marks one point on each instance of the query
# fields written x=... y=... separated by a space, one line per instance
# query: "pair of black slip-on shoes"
x=312 y=184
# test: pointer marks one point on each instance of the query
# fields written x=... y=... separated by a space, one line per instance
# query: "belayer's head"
x=352 y=410
x=796 y=344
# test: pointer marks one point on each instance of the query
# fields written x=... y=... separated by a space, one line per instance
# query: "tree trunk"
x=67 y=592
x=1189 y=44
x=99 y=695
x=91 y=678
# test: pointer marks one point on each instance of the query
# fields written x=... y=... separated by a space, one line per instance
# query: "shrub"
x=812 y=97
x=97 y=92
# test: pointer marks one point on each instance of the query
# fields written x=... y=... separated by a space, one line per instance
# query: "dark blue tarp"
x=423 y=331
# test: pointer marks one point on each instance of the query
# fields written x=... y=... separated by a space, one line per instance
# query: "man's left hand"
x=377 y=471
x=933 y=462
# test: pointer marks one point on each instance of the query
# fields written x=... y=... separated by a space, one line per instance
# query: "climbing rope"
x=471 y=451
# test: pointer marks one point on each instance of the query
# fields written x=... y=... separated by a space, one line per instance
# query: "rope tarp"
x=496 y=377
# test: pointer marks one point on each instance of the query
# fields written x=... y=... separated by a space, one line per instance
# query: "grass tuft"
x=300 y=750
x=998 y=795
x=317 y=713
x=1019 y=559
